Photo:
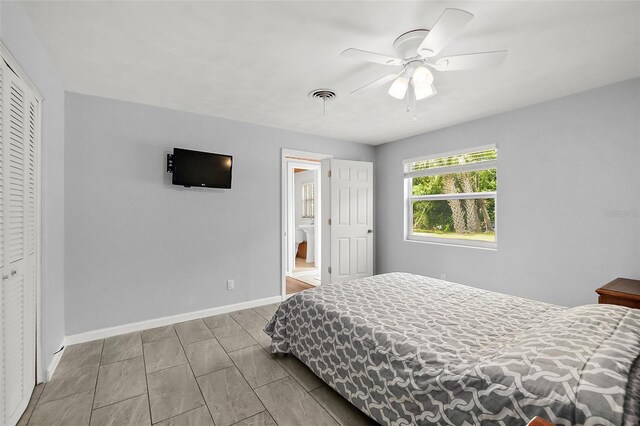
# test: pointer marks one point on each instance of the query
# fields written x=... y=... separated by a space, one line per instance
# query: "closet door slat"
x=13 y=284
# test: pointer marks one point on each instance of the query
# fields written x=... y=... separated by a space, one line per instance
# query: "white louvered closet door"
x=19 y=127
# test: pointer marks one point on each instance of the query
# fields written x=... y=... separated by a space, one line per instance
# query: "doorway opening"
x=301 y=221
x=303 y=271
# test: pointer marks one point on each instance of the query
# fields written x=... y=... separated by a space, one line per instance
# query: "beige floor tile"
x=229 y=396
x=130 y=412
x=82 y=354
x=227 y=367
x=262 y=419
x=249 y=319
x=342 y=410
x=119 y=381
x=291 y=405
x=122 y=347
x=281 y=392
x=207 y=356
x=303 y=412
x=266 y=311
x=35 y=396
x=233 y=338
x=192 y=331
x=158 y=333
x=77 y=371
x=73 y=410
x=257 y=366
x=164 y=353
x=261 y=337
x=300 y=372
x=218 y=321
x=173 y=391
x=198 y=417
x=70 y=380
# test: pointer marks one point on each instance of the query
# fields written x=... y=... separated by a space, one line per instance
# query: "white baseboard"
x=159 y=322
x=56 y=359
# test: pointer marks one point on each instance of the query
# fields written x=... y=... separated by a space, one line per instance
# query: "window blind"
x=457 y=162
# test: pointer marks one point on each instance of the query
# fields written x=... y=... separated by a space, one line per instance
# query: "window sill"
x=473 y=244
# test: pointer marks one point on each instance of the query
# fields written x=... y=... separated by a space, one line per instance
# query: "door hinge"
x=329 y=269
x=329 y=222
x=329 y=173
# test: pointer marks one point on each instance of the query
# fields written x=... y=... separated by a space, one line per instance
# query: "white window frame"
x=409 y=198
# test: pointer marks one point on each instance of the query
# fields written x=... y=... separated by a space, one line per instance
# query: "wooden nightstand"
x=621 y=291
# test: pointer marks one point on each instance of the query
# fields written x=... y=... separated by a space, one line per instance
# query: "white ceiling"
x=257 y=61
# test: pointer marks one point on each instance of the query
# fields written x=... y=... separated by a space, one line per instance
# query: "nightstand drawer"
x=619 y=300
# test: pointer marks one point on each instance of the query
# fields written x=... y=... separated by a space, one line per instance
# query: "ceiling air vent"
x=324 y=95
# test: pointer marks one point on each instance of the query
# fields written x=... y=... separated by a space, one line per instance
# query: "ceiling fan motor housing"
x=406 y=46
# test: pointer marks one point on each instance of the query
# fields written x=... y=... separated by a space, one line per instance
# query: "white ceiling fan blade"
x=445 y=29
x=377 y=58
x=471 y=61
x=376 y=83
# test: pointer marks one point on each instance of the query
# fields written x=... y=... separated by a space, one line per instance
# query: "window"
x=307 y=201
x=451 y=198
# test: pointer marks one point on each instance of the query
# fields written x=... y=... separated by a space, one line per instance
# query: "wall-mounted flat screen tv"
x=204 y=169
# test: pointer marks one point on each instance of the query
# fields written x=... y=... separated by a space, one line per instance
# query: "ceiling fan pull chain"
x=415 y=117
x=408 y=96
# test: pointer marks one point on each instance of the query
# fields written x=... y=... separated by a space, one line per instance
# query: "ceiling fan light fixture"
x=422 y=76
x=399 y=87
x=422 y=90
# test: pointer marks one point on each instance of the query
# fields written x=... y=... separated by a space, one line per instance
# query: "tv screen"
x=204 y=169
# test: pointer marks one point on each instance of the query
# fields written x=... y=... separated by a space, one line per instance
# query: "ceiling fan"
x=414 y=52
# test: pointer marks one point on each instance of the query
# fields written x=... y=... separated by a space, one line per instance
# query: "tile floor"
x=211 y=371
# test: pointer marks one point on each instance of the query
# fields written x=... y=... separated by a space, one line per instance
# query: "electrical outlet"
x=443 y=276
x=230 y=285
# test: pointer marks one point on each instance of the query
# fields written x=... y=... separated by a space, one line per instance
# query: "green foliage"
x=432 y=216
x=435 y=216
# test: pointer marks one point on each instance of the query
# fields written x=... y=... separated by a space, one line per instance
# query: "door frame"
x=308 y=165
x=6 y=55
x=296 y=156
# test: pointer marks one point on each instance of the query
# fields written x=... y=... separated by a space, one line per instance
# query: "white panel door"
x=351 y=221
x=19 y=121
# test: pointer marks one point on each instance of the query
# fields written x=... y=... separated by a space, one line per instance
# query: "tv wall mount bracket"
x=169 y=163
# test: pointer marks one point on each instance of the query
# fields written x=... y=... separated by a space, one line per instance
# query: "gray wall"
x=562 y=165
x=20 y=40
x=139 y=248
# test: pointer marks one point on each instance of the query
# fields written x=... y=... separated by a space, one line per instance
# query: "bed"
x=411 y=350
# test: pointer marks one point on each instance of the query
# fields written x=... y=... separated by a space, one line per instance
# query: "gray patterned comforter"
x=407 y=349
